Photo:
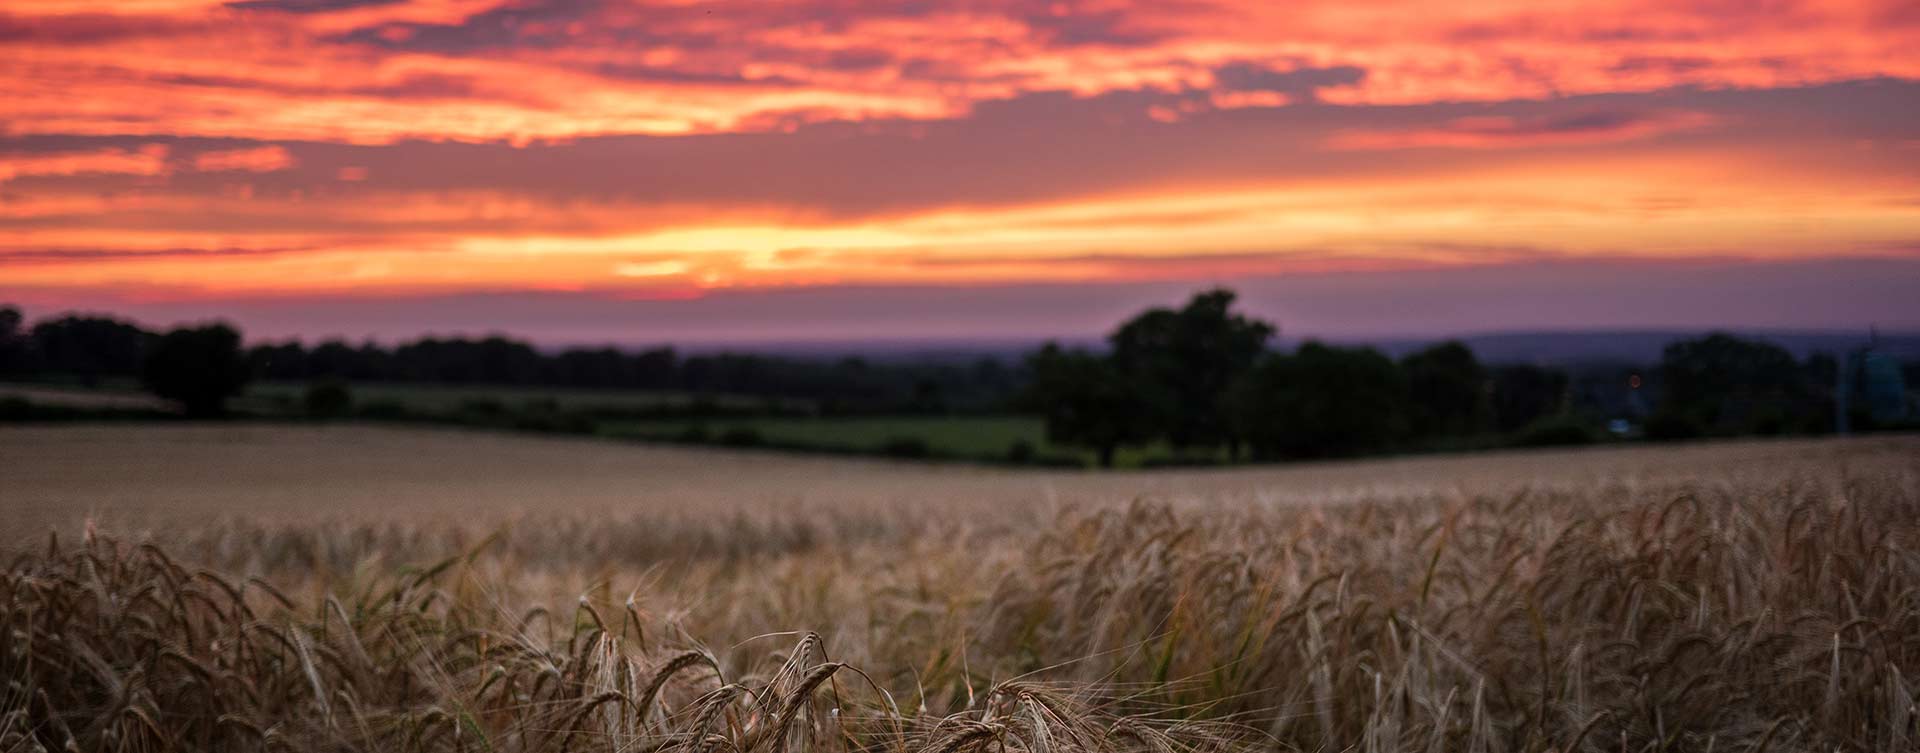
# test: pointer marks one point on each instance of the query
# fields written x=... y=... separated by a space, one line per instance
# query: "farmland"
x=603 y=596
x=441 y=398
x=981 y=438
x=283 y=398
x=650 y=415
x=967 y=435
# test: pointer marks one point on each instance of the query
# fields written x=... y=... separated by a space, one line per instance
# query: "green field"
x=957 y=435
x=973 y=437
x=436 y=398
x=83 y=397
x=281 y=397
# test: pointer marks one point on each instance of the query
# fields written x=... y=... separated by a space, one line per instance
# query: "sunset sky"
x=604 y=170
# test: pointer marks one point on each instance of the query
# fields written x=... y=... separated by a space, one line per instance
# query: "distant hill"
x=1642 y=346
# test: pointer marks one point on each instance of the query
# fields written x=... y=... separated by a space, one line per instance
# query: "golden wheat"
x=1735 y=608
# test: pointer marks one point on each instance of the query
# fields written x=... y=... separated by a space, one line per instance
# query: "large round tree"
x=197 y=367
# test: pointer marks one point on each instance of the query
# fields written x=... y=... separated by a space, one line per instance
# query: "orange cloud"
x=1563 y=207
x=544 y=69
x=648 y=147
x=263 y=159
x=147 y=160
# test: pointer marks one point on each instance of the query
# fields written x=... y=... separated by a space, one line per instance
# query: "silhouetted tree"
x=1523 y=394
x=1185 y=359
x=1321 y=401
x=592 y=367
x=90 y=347
x=334 y=358
x=611 y=368
x=14 y=349
x=197 y=367
x=1821 y=372
x=1448 y=390
x=656 y=368
x=494 y=360
x=1087 y=402
x=848 y=384
x=284 y=361
x=927 y=397
x=1724 y=385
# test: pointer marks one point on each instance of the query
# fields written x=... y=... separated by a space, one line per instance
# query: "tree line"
x=90 y=348
x=1204 y=379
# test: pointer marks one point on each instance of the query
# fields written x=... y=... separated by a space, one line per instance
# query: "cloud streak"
x=1686 y=294
x=1505 y=132
x=150 y=159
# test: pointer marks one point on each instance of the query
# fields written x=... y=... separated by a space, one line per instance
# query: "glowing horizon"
x=180 y=153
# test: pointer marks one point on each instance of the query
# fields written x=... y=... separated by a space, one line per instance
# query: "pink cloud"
x=474 y=70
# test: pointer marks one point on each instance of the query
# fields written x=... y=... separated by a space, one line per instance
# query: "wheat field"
x=255 y=587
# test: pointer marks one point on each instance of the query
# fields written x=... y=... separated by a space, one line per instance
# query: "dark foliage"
x=1447 y=390
x=197 y=367
x=14 y=345
x=1321 y=401
x=1184 y=359
x=1669 y=427
x=1088 y=401
x=1523 y=394
x=1199 y=377
x=1722 y=385
x=89 y=348
x=848 y=385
